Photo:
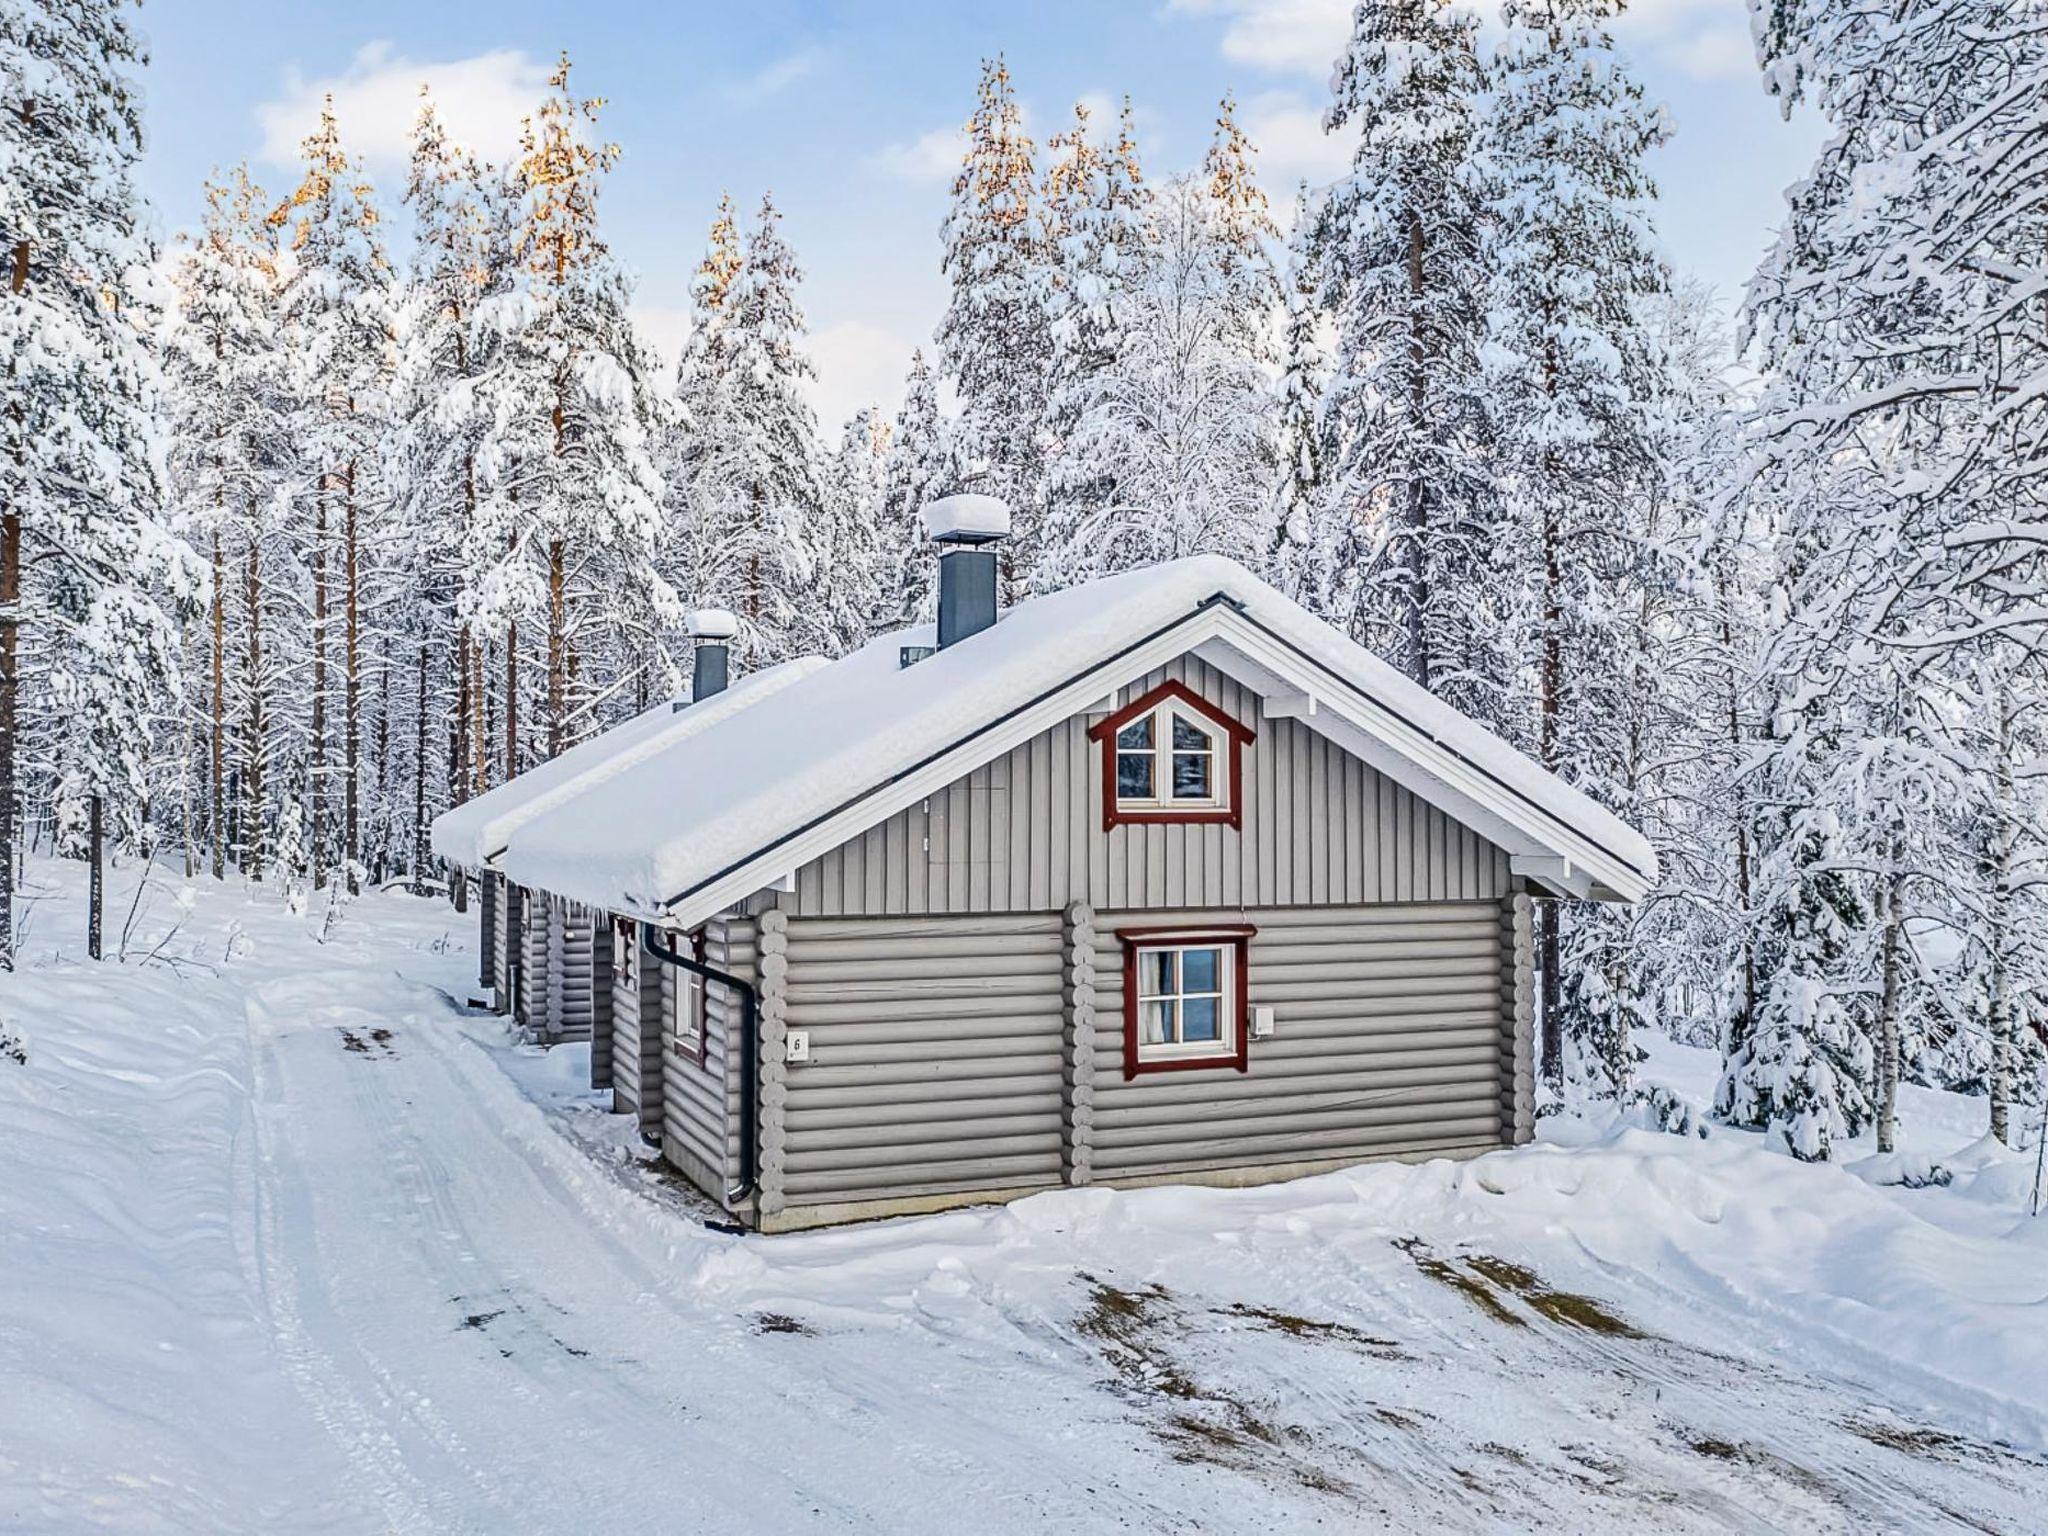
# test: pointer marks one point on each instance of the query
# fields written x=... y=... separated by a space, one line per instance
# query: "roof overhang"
x=1542 y=841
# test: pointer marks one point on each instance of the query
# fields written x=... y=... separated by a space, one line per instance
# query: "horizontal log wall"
x=636 y=1031
x=935 y=1057
x=1388 y=1036
x=1024 y=833
x=700 y=1100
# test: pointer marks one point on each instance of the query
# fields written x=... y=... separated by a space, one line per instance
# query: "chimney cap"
x=710 y=624
x=966 y=518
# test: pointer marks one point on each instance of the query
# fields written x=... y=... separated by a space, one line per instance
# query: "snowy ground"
x=290 y=1242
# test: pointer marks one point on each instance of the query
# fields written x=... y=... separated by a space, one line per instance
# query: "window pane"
x=1191 y=775
x=1199 y=1019
x=1134 y=775
x=1187 y=736
x=1136 y=736
x=1199 y=970
x=1155 y=973
x=1152 y=1023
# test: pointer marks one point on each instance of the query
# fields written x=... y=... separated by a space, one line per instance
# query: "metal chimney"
x=710 y=665
x=967 y=529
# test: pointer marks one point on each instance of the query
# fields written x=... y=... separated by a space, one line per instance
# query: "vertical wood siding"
x=1024 y=833
x=600 y=939
x=935 y=1057
x=700 y=1100
x=1387 y=1038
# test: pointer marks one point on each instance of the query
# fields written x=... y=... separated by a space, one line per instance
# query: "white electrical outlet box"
x=1262 y=1022
x=796 y=1045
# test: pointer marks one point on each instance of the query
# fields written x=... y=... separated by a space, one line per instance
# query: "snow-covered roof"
x=474 y=833
x=685 y=829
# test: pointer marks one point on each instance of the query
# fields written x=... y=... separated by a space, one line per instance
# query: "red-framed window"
x=1170 y=755
x=1185 y=998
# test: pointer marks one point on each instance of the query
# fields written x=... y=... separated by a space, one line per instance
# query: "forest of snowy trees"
x=381 y=498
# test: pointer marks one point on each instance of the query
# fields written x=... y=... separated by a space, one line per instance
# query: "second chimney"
x=967 y=529
x=711 y=630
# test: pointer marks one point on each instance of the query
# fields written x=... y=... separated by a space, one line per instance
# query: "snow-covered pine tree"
x=442 y=428
x=1398 y=534
x=920 y=468
x=757 y=496
x=995 y=340
x=81 y=549
x=338 y=314
x=1569 y=260
x=584 y=503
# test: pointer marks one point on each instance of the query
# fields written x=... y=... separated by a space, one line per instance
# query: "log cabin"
x=1158 y=878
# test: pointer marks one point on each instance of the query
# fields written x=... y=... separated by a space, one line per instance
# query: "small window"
x=1184 y=999
x=1169 y=756
x=689 y=1002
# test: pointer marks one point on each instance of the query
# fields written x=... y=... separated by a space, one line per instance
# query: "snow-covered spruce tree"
x=1098 y=215
x=919 y=469
x=1666 y=759
x=1306 y=448
x=995 y=340
x=848 y=540
x=756 y=497
x=1569 y=260
x=82 y=553
x=338 y=316
x=1397 y=535
x=1180 y=428
x=569 y=515
x=444 y=428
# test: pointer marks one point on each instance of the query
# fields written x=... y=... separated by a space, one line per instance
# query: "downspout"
x=749 y=1049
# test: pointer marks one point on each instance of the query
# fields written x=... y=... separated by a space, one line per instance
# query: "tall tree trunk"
x=10 y=693
x=512 y=700
x=2001 y=1009
x=1551 y=945
x=419 y=778
x=1415 y=601
x=558 y=649
x=252 y=773
x=215 y=826
x=458 y=752
x=316 y=839
x=96 y=876
x=1888 y=1011
x=352 y=832
x=1738 y=1032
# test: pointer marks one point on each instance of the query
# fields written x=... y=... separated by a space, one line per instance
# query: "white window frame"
x=1162 y=752
x=1224 y=1046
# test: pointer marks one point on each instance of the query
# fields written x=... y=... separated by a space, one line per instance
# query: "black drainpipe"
x=749 y=1048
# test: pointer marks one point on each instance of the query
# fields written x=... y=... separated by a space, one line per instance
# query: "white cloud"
x=934 y=156
x=780 y=74
x=858 y=364
x=1286 y=36
x=481 y=101
x=1288 y=131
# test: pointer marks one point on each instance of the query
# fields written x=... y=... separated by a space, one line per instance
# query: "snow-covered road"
x=288 y=1242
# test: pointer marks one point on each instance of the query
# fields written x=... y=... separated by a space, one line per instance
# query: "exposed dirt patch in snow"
x=256 y=1280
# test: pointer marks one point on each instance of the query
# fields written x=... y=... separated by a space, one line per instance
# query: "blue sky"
x=848 y=112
